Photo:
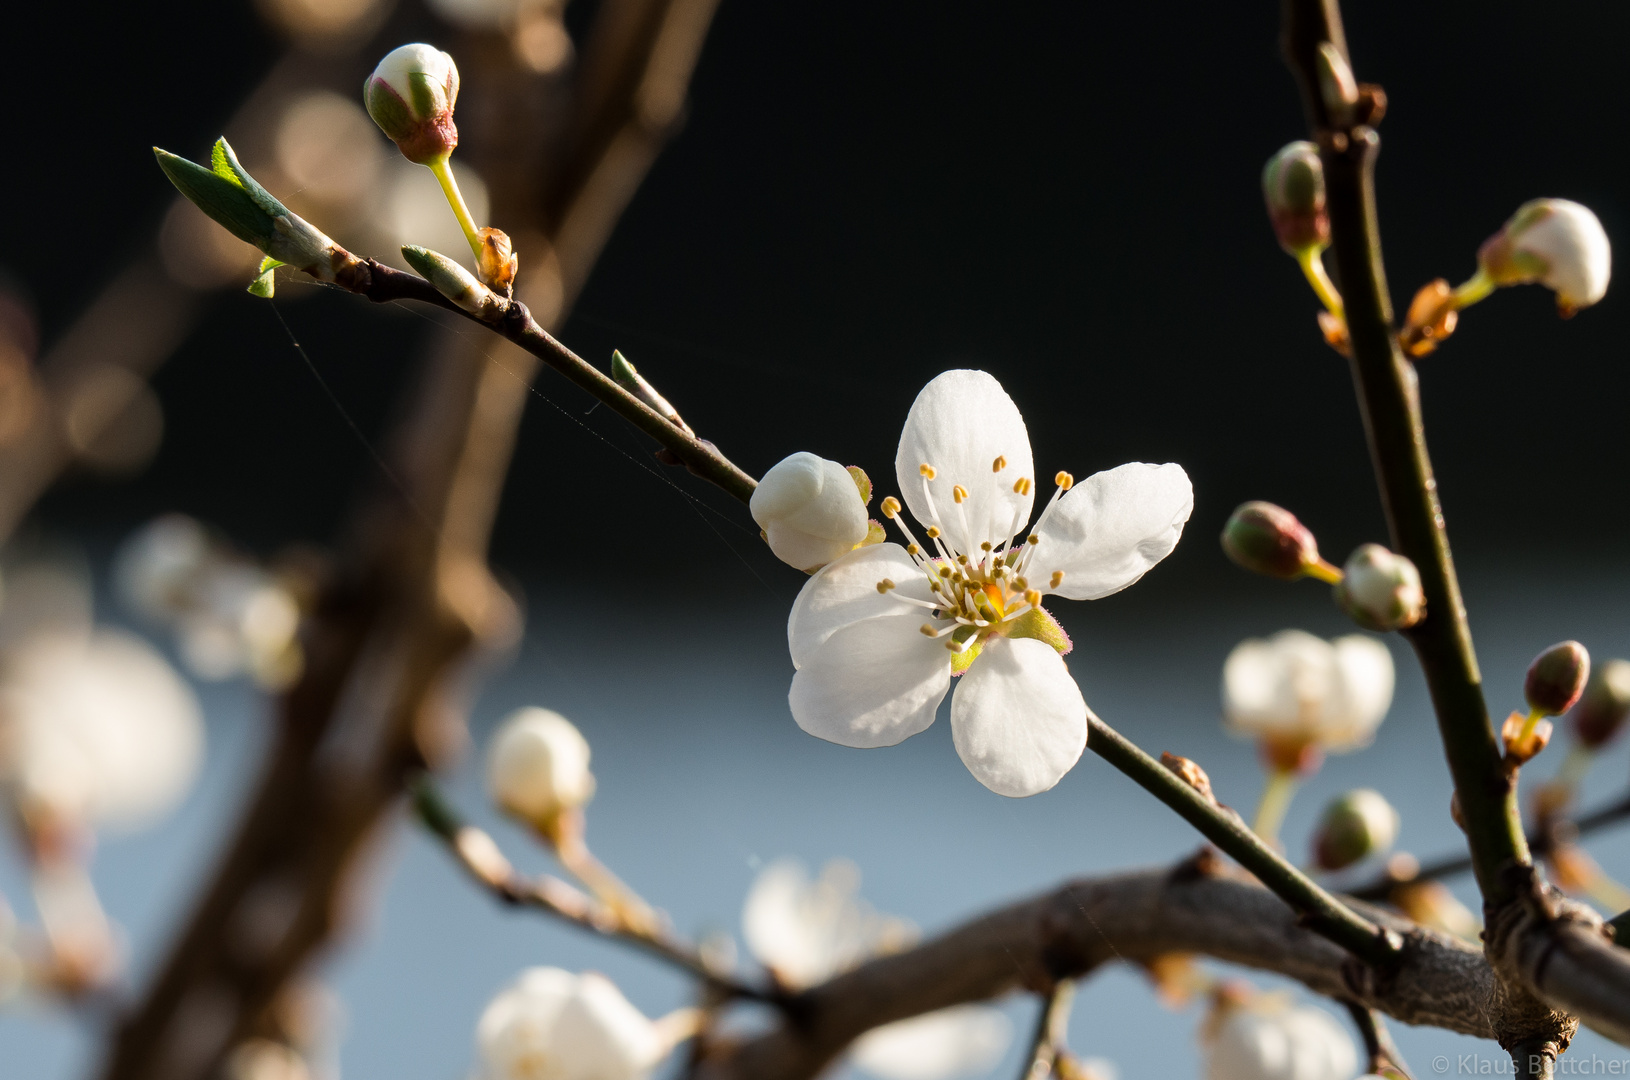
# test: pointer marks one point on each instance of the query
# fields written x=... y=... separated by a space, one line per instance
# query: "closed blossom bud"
x=1269 y=540
x=1359 y=824
x=810 y=510
x=1602 y=708
x=1557 y=243
x=551 y=1023
x=1556 y=678
x=538 y=767
x=1380 y=590
x=411 y=95
x=1293 y=186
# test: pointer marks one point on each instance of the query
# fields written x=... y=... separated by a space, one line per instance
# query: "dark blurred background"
x=863 y=195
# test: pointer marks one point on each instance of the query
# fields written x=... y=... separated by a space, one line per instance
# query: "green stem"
x=1389 y=400
x=1322 y=912
x=1477 y=287
x=1277 y=791
x=442 y=167
x=1312 y=264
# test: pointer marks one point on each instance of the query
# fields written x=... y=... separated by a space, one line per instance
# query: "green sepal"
x=962 y=661
x=224 y=200
x=875 y=534
x=265 y=284
x=862 y=482
x=1039 y=623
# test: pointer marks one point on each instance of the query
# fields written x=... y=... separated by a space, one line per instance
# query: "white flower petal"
x=872 y=683
x=1364 y=682
x=778 y=929
x=1018 y=719
x=1277 y=685
x=1110 y=529
x=810 y=510
x=960 y=424
x=599 y=1034
x=845 y=592
x=964 y=1040
x=1571 y=241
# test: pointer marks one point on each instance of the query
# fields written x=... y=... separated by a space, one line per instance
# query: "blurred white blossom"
x=229 y=615
x=877 y=635
x=552 y=1025
x=95 y=727
x=1266 y=1037
x=1294 y=690
x=1559 y=244
x=538 y=766
x=806 y=931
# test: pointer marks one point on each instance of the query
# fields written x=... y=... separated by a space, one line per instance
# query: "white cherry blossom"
x=95 y=727
x=552 y=1025
x=806 y=931
x=877 y=635
x=1268 y=1038
x=1294 y=690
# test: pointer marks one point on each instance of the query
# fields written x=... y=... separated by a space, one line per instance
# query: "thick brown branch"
x=1072 y=931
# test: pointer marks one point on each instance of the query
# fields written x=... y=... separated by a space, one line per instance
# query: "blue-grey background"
x=863 y=195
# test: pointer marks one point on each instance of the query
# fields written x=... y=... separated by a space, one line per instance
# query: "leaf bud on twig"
x=1268 y=539
x=1602 y=708
x=454 y=282
x=410 y=95
x=1381 y=590
x=1355 y=826
x=631 y=380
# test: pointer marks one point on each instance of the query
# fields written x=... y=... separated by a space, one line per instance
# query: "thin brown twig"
x=1051 y=1038
x=480 y=856
x=1384 y=1058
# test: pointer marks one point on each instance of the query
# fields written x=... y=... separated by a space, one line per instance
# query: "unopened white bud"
x=411 y=95
x=810 y=510
x=538 y=767
x=1265 y=1039
x=1559 y=244
x=1381 y=590
x=551 y=1023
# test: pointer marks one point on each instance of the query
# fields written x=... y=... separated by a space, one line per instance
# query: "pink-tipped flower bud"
x=1355 y=826
x=411 y=95
x=1556 y=678
x=1293 y=186
x=1380 y=590
x=1557 y=243
x=1269 y=540
x=1602 y=708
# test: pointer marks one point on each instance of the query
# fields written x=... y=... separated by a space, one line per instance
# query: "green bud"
x=1293 y=187
x=454 y=282
x=635 y=383
x=1556 y=678
x=1602 y=708
x=1267 y=539
x=1355 y=826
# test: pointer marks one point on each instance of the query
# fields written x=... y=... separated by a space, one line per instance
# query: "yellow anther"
x=885 y=585
x=1058 y=576
x=928 y=630
x=913 y=549
x=1021 y=486
x=1032 y=539
x=933 y=532
x=1032 y=597
x=926 y=470
x=1021 y=584
x=963 y=559
x=1064 y=480
x=945 y=571
x=985 y=545
x=999 y=464
x=891 y=506
x=959 y=493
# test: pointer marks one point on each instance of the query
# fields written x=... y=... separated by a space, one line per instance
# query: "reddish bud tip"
x=1557 y=677
x=1267 y=539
